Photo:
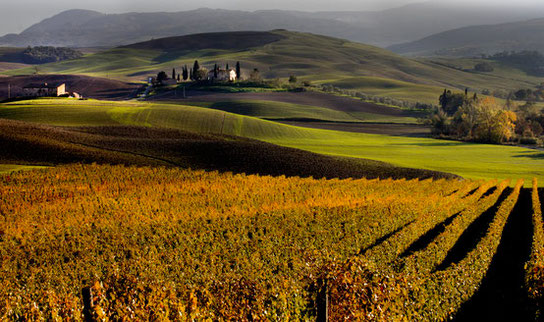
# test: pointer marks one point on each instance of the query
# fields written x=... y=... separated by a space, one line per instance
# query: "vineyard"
x=102 y=242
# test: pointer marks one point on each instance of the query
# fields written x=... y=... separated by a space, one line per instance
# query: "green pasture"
x=475 y=161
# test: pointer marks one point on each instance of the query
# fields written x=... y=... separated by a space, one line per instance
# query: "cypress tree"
x=185 y=73
x=238 y=71
x=215 y=69
x=196 y=68
x=227 y=68
x=173 y=73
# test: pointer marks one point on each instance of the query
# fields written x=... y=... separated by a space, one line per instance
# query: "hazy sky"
x=17 y=15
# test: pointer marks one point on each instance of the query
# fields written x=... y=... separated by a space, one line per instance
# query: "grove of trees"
x=468 y=118
x=48 y=54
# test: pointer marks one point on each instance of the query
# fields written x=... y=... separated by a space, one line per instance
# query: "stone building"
x=45 y=89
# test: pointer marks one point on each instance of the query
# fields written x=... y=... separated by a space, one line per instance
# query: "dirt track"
x=91 y=87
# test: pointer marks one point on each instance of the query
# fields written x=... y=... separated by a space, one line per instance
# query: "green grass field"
x=318 y=59
x=285 y=111
x=476 y=161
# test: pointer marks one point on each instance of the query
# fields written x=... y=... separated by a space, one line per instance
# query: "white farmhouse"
x=223 y=75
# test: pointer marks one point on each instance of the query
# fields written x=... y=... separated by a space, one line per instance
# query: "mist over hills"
x=477 y=40
x=84 y=28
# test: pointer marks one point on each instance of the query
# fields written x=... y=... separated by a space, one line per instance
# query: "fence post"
x=323 y=303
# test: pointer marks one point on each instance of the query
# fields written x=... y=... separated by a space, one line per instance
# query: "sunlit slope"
x=465 y=159
x=319 y=59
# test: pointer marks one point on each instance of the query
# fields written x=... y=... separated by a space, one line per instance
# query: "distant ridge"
x=477 y=40
x=238 y=40
x=85 y=28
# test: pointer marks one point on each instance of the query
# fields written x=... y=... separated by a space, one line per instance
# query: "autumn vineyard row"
x=90 y=242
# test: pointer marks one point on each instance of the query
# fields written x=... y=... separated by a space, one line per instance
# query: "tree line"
x=48 y=54
x=195 y=73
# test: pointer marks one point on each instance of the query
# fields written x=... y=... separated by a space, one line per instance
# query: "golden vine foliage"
x=534 y=274
x=124 y=243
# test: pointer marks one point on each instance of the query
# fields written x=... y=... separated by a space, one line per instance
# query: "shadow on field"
x=501 y=296
x=536 y=156
x=423 y=241
x=384 y=238
x=473 y=234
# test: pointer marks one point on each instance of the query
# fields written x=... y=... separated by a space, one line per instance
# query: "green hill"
x=464 y=159
x=278 y=54
x=477 y=40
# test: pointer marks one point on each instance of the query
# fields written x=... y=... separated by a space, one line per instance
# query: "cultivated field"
x=94 y=242
x=474 y=161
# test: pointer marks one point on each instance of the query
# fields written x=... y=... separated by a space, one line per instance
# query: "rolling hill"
x=280 y=53
x=84 y=28
x=477 y=40
x=29 y=144
x=475 y=161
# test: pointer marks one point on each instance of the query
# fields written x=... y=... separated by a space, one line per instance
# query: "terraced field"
x=89 y=242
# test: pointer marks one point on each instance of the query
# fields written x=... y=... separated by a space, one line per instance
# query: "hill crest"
x=237 y=40
x=477 y=40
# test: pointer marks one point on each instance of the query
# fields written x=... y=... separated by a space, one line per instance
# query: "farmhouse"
x=45 y=89
x=222 y=75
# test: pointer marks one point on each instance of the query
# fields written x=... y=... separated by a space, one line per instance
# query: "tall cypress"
x=173 y=73
x=238 y=71
x=185 y=73
x=196 y=68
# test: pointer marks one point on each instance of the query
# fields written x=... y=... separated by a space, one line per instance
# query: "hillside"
x=84 y=28
x=31 y=144
x=315 y=58
x=478 y=40
x=475 y=161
